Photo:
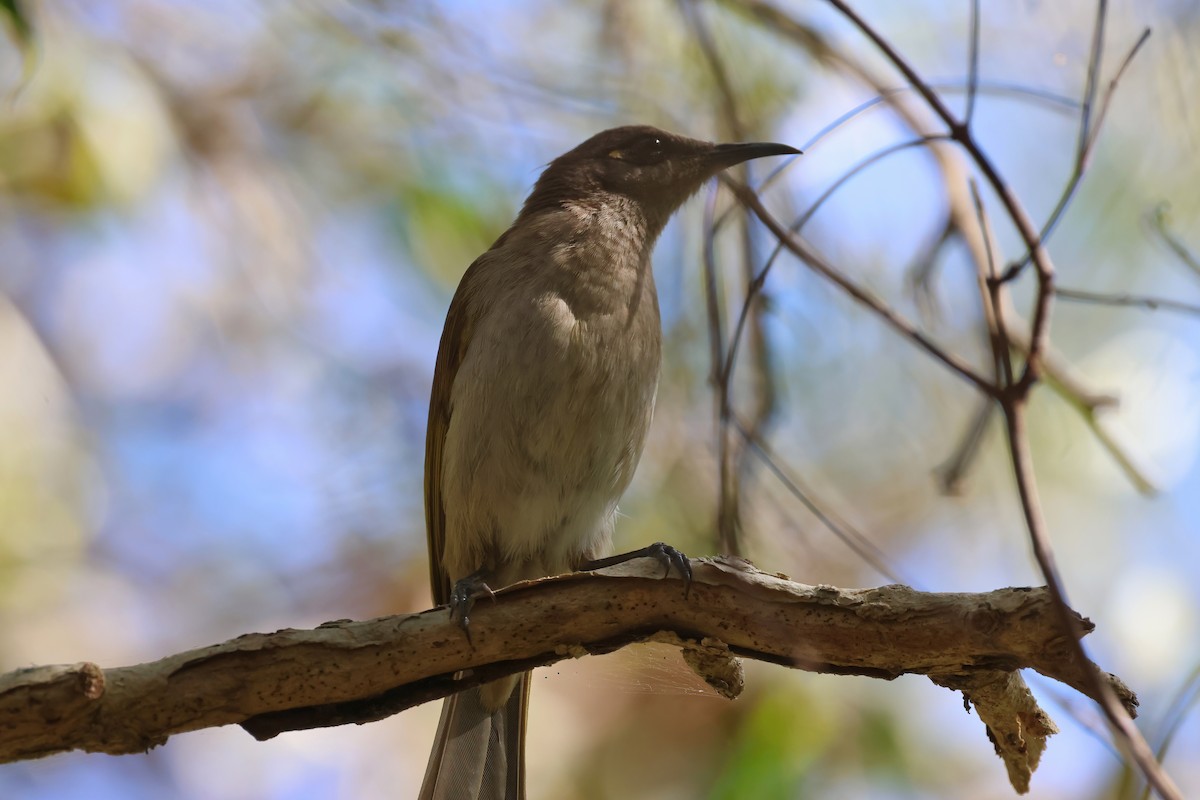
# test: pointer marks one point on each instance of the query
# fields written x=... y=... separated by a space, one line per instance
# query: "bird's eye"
x=646 y=150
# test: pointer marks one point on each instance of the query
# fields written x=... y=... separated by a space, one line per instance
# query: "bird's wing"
x=456 y=338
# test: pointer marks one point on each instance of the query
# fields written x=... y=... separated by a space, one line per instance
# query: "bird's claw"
x=463 y=595
x=669 y=557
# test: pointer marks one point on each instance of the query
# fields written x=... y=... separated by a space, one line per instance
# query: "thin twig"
x=1118 y=717
x=919 y=273
x=727 y=497
x=732 y=460
x=712 y=298
x=757 y=283
x=1059 y=378
x=953 y=470
x=893 y=319
x=1110 y=92
x=993 y=298
x=1185 y=699
x=1137 y=475
x=1087 y=142
x=1056 y=102
x=1057 y=372
x=972 y=65
x=1129 y=300
x=862 y=546
x=1159 y=221
x=1095 y=58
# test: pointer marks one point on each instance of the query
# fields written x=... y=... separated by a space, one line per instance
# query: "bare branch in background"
x=961 y=216
x=992 y=298
x=862 y=546
x=1012 y=399
x=972 y=65
x=1089 y=129
x=1160 y=221
x=892 y=318
x=1128 y=300
x=731 y=455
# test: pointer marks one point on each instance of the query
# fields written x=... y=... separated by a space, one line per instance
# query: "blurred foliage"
x=229 y=232
x=19 y=20
x=776 y=744
x=18 y=23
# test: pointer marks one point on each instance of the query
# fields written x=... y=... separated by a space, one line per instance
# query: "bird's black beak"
x=726 y=155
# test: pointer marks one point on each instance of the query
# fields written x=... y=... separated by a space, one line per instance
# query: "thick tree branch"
x=359 y=671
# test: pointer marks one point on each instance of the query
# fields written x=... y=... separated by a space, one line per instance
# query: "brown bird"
x=542 y=394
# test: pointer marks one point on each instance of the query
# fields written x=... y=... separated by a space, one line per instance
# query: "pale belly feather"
x=540 y=450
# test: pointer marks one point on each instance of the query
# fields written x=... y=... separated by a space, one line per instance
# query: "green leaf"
x=22 y=29
x=19 y=20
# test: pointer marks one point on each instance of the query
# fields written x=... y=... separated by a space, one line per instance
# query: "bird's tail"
x=479 y=754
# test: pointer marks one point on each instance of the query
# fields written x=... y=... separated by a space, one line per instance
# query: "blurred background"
x=229 y=232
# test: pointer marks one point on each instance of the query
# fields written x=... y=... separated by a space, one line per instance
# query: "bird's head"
x=655 y=169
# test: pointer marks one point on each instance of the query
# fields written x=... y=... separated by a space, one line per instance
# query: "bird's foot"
x=463 y=596
x=664 y=554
